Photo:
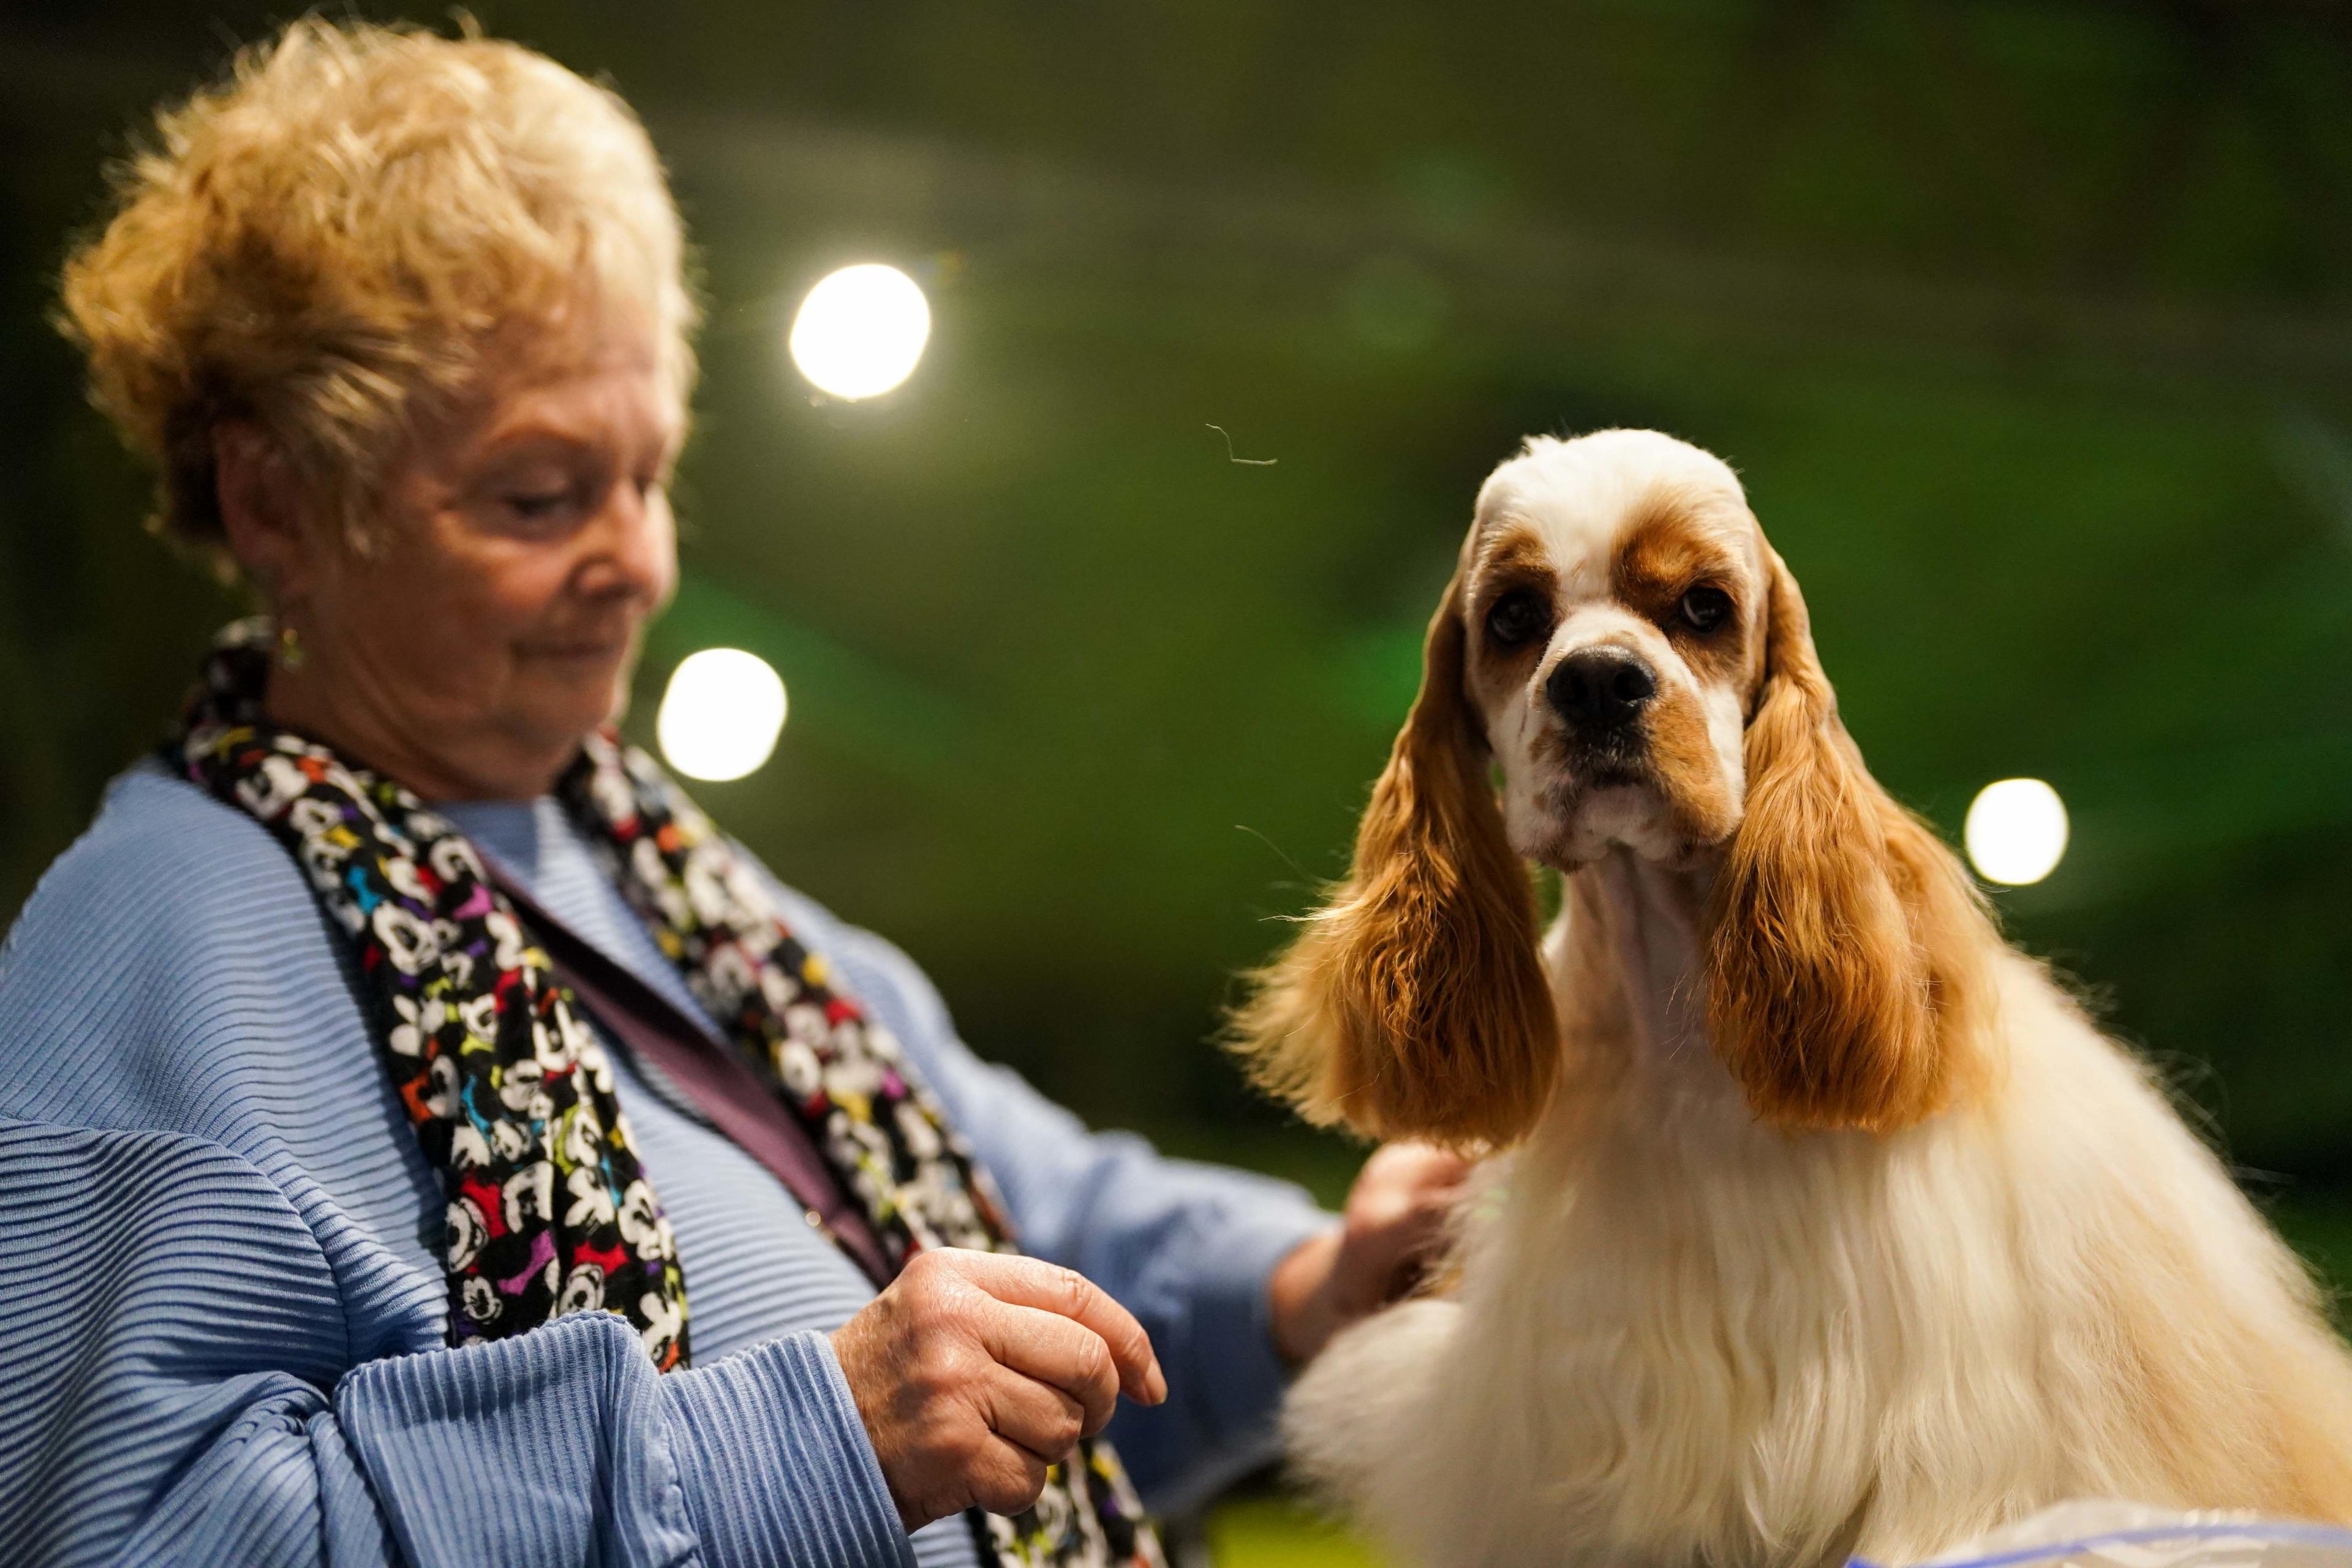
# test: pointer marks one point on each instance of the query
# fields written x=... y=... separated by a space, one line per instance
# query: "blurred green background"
x=2028 y=324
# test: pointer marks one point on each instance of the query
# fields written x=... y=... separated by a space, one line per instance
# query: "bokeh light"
x=720 y=715
x=861 y=331
x=2016 y=831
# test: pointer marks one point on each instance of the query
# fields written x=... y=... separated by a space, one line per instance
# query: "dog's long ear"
x=1848 y=976
x=1413 y=1004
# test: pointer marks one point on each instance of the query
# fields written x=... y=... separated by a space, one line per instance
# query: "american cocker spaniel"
x=1830 y=1224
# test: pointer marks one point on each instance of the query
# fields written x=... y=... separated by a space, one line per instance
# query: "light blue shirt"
x=223 y=1324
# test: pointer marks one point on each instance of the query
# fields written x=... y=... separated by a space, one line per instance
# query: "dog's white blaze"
x=1595 y=622
x=1727 y=731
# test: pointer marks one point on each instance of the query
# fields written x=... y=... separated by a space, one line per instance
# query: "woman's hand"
x=974 y=1371
x=1395 y=1220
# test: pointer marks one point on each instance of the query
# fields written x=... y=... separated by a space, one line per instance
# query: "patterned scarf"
x=550 y=1209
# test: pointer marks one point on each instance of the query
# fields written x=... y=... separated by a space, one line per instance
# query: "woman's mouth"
x=577 y=653
x=606 y=645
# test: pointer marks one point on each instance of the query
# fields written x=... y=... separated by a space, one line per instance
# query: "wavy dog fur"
x=1848 y=961
x=1413 y=1004
x=1835 y=1226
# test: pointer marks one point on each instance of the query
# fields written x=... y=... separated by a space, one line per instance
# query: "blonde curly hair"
x=327 y=240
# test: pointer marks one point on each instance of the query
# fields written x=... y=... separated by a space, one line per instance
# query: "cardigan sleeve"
x=181 y=1389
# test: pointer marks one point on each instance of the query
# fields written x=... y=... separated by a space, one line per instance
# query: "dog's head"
x=1615 y=598
x=1622 y=644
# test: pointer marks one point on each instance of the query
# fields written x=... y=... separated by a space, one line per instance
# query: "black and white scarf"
x=550 y=1208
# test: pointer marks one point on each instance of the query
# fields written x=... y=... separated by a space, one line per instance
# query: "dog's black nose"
x=1600 y=689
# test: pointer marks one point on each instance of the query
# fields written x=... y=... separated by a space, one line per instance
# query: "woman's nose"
x=639 y=545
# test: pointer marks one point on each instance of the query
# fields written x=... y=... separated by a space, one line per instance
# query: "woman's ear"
x=1848 y=982
x=260 y=499
x=1413 y=1004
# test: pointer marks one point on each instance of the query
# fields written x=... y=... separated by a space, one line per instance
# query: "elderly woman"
x=426 y=1138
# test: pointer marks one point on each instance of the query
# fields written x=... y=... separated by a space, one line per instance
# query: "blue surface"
x=2239 y=1533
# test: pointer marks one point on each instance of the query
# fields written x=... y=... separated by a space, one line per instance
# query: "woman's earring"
x=290 y=648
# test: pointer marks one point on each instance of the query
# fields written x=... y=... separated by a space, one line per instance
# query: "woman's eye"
x=1517 y=618
x=1706 y=608
x=533 y=505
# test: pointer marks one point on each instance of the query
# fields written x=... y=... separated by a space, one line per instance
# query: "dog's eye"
x=1706 y=608
x=1517 y=617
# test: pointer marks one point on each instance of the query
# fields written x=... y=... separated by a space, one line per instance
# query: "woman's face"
x=523 y=543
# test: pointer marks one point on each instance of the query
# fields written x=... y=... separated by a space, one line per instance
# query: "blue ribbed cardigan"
x=223 y=1323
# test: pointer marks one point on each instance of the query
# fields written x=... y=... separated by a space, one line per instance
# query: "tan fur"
x=1513 y=557
x=1705 y=809
x=1846 y=983
x=1511 y=560
x=1413 y=1004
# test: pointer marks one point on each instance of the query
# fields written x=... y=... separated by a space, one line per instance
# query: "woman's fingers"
x=1065 y=1292
x=1399 y=1209
x=1398 y=1216
x=1407 y=1184
x=1004 y=1477
x=1037 y=1416
x=1056 y=1351
x=972 y=1371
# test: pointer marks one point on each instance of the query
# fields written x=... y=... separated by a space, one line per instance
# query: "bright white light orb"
x=720 y=714
x=861 y=330
x=2016 y=831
